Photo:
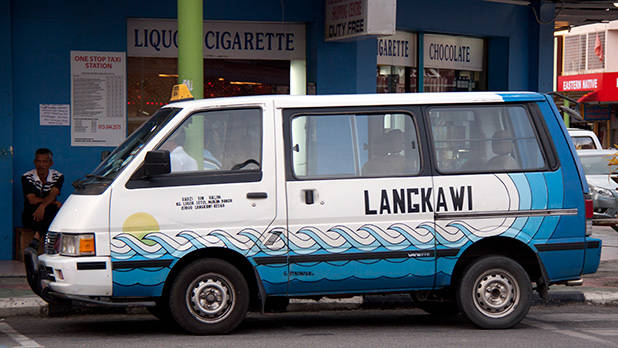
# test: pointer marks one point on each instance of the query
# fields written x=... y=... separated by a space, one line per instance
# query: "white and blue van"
x=467 y=201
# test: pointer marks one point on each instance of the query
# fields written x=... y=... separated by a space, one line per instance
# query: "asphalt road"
x=545 y=326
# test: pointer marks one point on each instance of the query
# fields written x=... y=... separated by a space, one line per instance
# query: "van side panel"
x=558 y=236
x=562 y=251
x=567 y=137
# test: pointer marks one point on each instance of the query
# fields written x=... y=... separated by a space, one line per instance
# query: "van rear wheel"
x=495 y=292
x=210 y=296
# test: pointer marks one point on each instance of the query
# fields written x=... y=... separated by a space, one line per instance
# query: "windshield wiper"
x=79 y=183
x=98 y=177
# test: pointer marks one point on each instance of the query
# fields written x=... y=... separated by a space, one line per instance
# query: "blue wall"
x=6 y=131
x=44 y=32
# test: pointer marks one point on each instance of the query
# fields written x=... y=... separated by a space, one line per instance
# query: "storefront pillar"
x=298 y=77
x=191 y=68
x=420 y=62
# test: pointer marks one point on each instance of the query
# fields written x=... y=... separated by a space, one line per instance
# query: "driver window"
x=223 y=140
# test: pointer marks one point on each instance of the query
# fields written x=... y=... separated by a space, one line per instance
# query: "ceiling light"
x=245 y=83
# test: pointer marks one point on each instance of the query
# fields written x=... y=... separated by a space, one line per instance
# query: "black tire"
x=495 y=292
x=209 y=296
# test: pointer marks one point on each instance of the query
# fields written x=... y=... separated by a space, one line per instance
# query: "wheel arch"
x=504 y=246
x=234 y=258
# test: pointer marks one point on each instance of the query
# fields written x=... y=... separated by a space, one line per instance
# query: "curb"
x=602 y=297
x=16 y=306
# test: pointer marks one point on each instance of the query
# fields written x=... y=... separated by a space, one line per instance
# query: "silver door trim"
x=505 y=214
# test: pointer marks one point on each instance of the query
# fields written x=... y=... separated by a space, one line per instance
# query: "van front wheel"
x=495 y=292
x=210 y=296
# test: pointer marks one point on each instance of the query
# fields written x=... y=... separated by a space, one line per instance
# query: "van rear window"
x=583 y=143
x=485 y=139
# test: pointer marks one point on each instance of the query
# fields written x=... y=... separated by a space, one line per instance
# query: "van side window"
x=220 y=140
x=484 y=139
x=354 y=145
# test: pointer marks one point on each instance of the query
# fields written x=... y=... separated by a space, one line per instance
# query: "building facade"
x=80 y=76
x=587 y=72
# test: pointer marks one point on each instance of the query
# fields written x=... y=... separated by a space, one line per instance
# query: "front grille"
x=50 y=242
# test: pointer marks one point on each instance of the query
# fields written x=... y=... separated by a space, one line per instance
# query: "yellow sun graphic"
x=139 y=225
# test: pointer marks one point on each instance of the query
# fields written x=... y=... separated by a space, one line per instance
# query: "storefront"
x=53 y=99
x=240 y=58
x=597 y=95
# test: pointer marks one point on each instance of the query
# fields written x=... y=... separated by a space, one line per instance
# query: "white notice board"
x=54 y=114
x=98 y=98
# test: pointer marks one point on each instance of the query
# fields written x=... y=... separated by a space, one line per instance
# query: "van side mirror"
x=157 y=162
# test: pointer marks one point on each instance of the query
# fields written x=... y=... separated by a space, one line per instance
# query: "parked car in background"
x=598 y=171
x=584 y=139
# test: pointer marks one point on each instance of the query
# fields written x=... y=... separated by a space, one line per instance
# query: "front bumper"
x=80 y=276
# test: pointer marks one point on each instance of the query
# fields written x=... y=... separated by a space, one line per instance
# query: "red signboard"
x=603 y=87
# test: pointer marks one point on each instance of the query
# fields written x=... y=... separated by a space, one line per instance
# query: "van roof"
x=335 y=100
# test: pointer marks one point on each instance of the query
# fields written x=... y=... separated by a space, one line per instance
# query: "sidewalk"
x=600 y=288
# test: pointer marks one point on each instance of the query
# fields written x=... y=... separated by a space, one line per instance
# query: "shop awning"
x=589 y=97
x=602 y=87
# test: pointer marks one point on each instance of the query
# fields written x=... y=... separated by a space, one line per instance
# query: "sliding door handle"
x=257 y=195
x=309 y=197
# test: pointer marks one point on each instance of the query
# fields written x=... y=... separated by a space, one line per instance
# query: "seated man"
x=41 y=187
x=180 y=160
x=502 y=146
x=388 y=158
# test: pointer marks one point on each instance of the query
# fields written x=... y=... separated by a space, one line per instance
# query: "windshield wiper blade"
x=98 y=177
x=79 y=183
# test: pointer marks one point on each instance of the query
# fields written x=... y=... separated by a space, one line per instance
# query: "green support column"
x=191 y=68
x=565 y=116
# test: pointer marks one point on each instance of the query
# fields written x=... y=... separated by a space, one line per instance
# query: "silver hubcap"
x=210 y=298
x=496 y=293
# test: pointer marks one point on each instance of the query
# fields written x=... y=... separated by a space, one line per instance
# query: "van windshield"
x=110 y=167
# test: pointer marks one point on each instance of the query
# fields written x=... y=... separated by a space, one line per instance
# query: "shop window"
x=354 y=145
x=596 y=51
x=150 y=82
x=449 y=80
x=484 y=139
x=575 y=53
x=396 y=79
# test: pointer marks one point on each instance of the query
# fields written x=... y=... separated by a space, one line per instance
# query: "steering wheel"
x=245 y=163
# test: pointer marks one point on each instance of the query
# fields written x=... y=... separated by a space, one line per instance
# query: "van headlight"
x=72 y=244
x=600 y=191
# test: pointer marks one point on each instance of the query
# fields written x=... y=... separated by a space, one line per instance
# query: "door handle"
x=257 y=195
x=309 y=197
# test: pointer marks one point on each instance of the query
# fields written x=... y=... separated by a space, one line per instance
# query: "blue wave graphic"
x=140 y=276
x=406 y=268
